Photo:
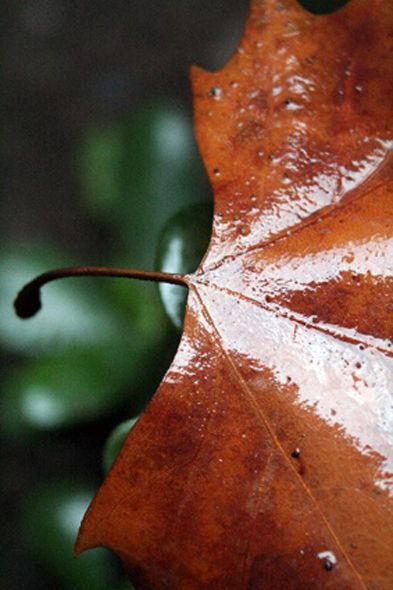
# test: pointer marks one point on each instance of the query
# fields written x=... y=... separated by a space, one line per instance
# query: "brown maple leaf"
x=264 y=460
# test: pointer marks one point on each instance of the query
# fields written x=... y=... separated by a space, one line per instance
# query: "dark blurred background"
x=67 y=65
x=98 y=166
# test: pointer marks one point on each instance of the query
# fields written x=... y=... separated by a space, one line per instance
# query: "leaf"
x=181 y=247
x=265 y=458
x=115 y=441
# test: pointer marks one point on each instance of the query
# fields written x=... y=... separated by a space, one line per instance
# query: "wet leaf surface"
x=264 y=460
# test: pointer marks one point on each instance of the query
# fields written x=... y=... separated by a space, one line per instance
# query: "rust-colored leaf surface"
x=265 y=459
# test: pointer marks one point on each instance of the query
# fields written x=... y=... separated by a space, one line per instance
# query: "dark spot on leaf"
x=215 y=91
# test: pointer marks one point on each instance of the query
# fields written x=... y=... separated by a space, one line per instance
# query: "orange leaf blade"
x=265 y=460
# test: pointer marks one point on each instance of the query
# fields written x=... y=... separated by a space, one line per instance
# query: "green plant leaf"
x=322 y=6
x=115 y=441
x=181 y=247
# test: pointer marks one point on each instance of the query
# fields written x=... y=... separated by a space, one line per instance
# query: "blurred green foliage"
x=51 y=518
x=99 y=348
x=137 y=195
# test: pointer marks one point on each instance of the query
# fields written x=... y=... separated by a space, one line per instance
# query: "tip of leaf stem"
x=27 y=302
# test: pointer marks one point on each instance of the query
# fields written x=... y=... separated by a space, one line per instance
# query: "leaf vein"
x=263 y=419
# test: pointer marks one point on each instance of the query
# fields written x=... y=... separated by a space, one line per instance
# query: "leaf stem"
x=28 y=301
